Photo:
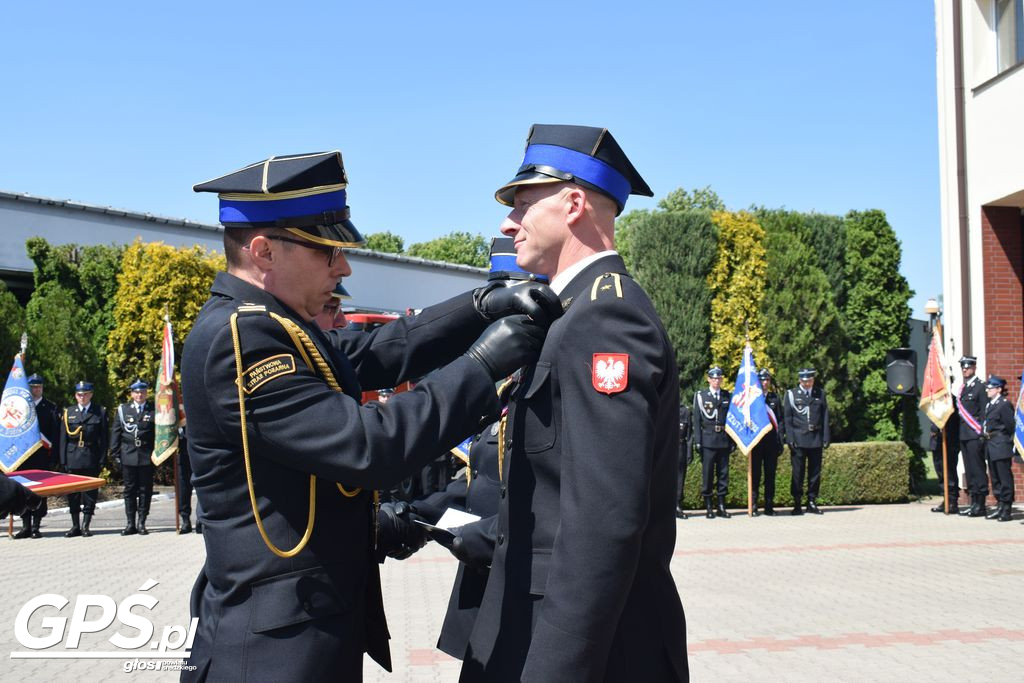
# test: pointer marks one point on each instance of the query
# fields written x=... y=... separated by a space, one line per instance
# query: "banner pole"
x=945 y=469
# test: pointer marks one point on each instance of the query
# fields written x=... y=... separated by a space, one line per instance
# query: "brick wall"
x=1003 y=279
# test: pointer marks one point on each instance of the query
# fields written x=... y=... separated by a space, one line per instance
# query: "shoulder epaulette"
x=252 y=309
x=601 y=286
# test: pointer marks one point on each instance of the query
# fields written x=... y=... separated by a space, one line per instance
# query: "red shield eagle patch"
x=610 y=372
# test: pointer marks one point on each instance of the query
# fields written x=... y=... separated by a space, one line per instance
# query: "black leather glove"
x=534 y=299
x=398 y=536
x=507 y=345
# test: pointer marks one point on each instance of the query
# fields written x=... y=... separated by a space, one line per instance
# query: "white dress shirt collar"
x=562 y=280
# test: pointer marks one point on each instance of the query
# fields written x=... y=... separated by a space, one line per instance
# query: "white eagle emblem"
x=610 y=373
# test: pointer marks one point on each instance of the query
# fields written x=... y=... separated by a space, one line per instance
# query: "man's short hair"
x=236 y=239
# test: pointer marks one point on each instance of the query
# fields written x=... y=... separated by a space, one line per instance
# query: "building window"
x=1009 y=23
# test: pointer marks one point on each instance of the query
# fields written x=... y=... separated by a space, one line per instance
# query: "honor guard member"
x=331 y=316
x=970 y=404
x=83 y=447
x=185 y=486
x=44 y=458
x=952 y=451
x=765 y=455
x=807 y=433
x=710 y=408
x=132 y=437
x=290 y=589
x=998 y=429
x=685 y=453
x=580 y=587
x=477 y=492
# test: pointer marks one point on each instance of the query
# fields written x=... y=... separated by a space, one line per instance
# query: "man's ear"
x=261 y=252
x=576 y=204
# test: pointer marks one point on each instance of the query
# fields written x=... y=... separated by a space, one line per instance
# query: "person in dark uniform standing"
x=290 y=589
x=580 y=587
x=952 y=452
x=807 y=433
x=83 y=448
x=710 y=408
x=765 y=456
x=998 y=429
x=685 y=453
x=185 y=486
x=44 y=458
x=970 y=403
x=132 y=437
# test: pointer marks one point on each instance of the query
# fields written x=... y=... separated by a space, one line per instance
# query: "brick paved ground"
x=882 y=593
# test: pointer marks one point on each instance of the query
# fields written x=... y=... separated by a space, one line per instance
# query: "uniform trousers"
x=681 y=481
x=952 y=479
x=1002 y=480
x=973 y=451
x=809 y=460
x=764 y=456
x=714 y=461
x=84 y=501
x=138 y=487
x=184 y=481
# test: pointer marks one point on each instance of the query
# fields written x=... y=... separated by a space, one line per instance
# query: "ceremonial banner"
x=936 y=399
x=1018 y=419
x=166 y=402
x=461 y=451
x=748 y=420
x=46 y=483
x=19 y=427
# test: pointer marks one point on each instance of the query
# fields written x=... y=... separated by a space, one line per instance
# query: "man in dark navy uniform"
x=710 y=408
x=765 y=456
x=807 y=433
x=83 y=448
x=685 y=453
x=290 y=589
x=952 y=432
x=131 y=443
x=970 y=403
x=44 y=458
x=580 y=587
x=998 y=429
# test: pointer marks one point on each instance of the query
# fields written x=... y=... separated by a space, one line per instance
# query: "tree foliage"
x=737 y=283
x=455 y=247
x=875 y=319
x=385 y=241
x=673 y=253
x=155 y=277
x=701 y=199
x=12 y=324
x=73 y=284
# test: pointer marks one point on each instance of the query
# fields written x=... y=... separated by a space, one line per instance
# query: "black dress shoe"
x=796 y=511
x=754 y=512
x=680 y=514
x=72 y=532
x=941 y=507
x=813 y=508
x=769 y=511
x=25 y=532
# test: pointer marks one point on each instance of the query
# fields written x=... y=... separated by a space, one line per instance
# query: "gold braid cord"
x=501 y=434
x=311 y=355
x=67 y=430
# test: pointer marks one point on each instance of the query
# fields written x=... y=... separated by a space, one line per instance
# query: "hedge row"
x=851 y=473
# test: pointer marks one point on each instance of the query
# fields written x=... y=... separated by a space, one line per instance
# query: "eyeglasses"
x=332 y=252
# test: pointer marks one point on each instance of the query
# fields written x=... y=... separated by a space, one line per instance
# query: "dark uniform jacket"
x=133 y=434
x=806 y=418
x=45 y=457
x=709 y=419
x=267 y=618
x=999 y=428
x=83 y=437
x=972 y=399
x=479 y=497
x=685 y=434
x=580 y=587
x=772 y=443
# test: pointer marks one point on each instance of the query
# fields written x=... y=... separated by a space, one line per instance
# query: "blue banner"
x=748 y=420
x=462 y=450
x=19 y=427
x=1018 y=419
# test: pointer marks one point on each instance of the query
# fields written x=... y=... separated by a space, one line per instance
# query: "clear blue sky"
x=810 y=105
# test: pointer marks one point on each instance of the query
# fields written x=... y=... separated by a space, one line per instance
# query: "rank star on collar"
x=610 y=372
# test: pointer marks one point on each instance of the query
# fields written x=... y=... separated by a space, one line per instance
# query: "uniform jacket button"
x=501 y=539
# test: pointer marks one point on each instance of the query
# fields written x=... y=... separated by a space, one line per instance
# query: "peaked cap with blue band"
x=503 y=262
x=138 y=385
x=35 y=380
x=584 y=155
x=302 y=193
x=83 y=386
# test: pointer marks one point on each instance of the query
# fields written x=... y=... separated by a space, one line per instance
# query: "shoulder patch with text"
x=266 y=370
x=610 y=372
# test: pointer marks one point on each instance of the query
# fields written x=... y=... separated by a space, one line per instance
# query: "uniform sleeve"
x=295 y=419
x=433 y=506
x=62 y=439
x=104 y=436
x=607 y=453
x=695 y=420
x=411 y=346
x=115 y=435
x=826 y=437
x=788 y=418
x=478 y=541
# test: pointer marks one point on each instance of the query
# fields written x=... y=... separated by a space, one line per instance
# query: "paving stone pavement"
x=874 y=593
